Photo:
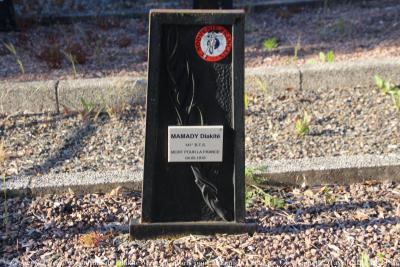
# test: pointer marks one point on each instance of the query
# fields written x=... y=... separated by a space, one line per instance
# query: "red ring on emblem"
x=224 y=38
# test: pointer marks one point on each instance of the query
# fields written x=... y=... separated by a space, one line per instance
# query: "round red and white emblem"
x=213 y=43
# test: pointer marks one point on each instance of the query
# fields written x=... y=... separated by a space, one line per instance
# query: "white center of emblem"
x=213 y=43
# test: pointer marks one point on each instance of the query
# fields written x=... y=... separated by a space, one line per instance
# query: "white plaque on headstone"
x=195 y=143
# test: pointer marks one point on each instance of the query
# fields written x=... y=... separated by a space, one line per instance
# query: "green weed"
x=297 y=47
x=255 y=192
x=251 y=178
x=396 y=99
x=385 y=86
x=88 y=107
x=246 y=102
x=11 y=48
x=380 y=258
x=302 y=125
x=72 y=60
x=388 y=88
x=328 y=57
x=261 y=84
x=270 y=44
x=330 y=198
x=250 y=196
x=311 y=62
x=91 y=109
x=364 y=260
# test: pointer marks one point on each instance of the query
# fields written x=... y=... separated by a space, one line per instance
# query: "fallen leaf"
x=115 y=192
x=91 y=240
x=309 y=193
x=361 y=216
x=70 y=191
x=3 y=153
x=371 y=182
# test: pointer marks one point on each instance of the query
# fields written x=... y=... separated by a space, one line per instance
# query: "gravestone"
x=193 y=180
x=7 y=16
x=212 y=4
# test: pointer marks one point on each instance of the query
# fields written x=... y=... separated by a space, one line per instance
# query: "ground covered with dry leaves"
x=107 y=47
x=319 y=226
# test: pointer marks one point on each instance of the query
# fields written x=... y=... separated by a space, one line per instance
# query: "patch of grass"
x=71 y=59
x=11 y=48
x=250 y=196
x=364 y=260
x=388 y=88
x=328 y=57
x=91 y=109
x=251 y=178
x=255 y=192
x=52 y=55
x=385 y=86
x=270 y=44
x=246 y=102
x=297 y=47
x=329 y=197
x=311 y=62
x=396 y=100
x=77 y=50
x=262 y=85
x=302 y=125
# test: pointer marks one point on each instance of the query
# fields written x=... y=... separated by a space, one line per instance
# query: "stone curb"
x=51 y=96
x=331 y=170
x=315 y=171
x=80 y=182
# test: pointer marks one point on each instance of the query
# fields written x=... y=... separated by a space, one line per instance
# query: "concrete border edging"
x=53 y=95
x=39 y=96
x=313 y=171
x=331 y=170
x=80 y=182
x=349 y=74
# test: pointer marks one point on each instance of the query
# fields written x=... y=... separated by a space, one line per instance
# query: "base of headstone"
x=168 y=229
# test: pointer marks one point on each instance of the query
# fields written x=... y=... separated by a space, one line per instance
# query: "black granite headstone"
x=194 y=151
x=7 y=16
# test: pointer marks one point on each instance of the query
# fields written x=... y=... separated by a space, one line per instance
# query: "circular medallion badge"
x=213 y=43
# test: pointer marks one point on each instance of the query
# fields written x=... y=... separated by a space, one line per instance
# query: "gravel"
x=41 y=144
x=319 y=226
x=364 y=29
x=345 y=121
x=348 y=121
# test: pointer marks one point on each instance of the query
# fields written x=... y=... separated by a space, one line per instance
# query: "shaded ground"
x=320 y=226
x=366 y=29
x=346 y=121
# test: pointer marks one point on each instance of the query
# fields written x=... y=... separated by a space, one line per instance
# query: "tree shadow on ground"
x=336 y=223
x=72 y=145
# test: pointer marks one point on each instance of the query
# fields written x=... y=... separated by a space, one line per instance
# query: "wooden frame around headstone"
x=149 y=226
